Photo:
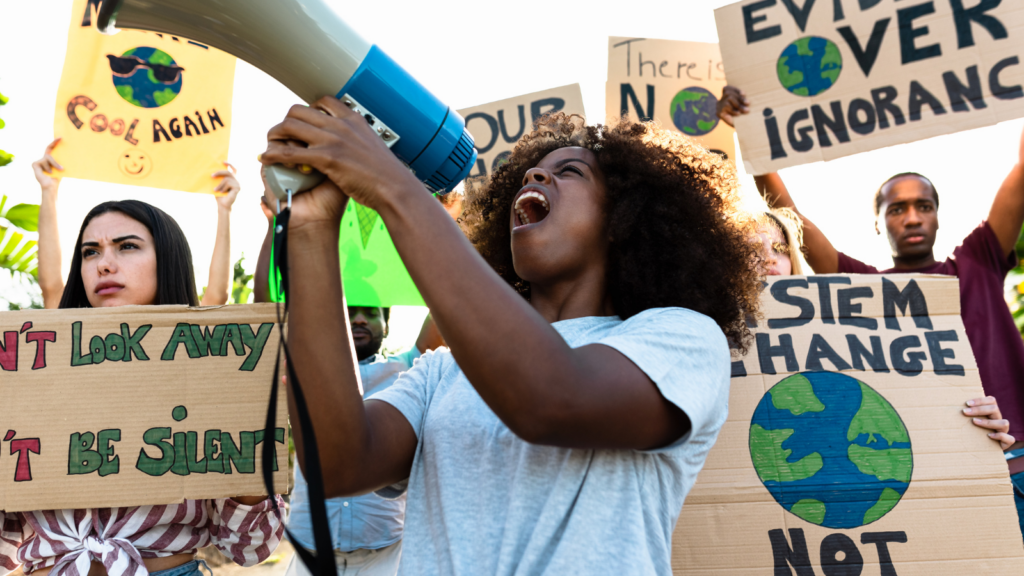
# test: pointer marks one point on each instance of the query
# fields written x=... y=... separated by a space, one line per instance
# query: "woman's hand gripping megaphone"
x=338 y=143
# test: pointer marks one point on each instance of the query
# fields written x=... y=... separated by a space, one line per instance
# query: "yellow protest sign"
x=673 y=82
x=142 y=108
x=846 y=450
x=831 y=79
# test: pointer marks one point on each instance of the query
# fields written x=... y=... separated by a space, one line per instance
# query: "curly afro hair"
x=677 y=233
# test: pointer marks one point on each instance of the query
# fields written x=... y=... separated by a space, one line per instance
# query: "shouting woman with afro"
x=589 y=317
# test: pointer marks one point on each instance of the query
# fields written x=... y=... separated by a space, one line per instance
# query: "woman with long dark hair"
x=46 y=169
x=589 y=316
x=131 y=253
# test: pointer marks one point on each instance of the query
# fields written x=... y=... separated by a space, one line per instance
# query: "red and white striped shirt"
x=120 y=538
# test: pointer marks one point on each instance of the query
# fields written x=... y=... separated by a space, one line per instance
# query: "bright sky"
x=469 y=53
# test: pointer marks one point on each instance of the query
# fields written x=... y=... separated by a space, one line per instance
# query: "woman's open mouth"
x=531 y=206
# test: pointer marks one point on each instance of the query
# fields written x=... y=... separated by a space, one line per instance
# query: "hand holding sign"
x=987 y=415
x=732 y=103
x=44 y=169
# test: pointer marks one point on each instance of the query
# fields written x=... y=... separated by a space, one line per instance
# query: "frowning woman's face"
x=118 y=261
x=776 y=250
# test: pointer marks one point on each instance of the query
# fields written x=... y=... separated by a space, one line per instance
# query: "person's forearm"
x=430 y=337
x=261 y=277
x=218 y=284
x=48 y=255
x=773 y=190
x=820 y=254
x=324 y=359
x=1007 y=212
x=506 y=349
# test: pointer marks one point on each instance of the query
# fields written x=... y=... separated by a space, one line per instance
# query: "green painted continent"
x=811 y=510
x=796 y=395
x=128 y=94
x=833 y=57
x=886 y=502
x=889 y=464
x=160 y=57
x=788 y=76
x=770 y=460
x=876 y=416
x=803 y=46
x=690 y=96
x=164 y=96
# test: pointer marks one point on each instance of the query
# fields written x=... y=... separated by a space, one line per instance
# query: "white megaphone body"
x=307 y=47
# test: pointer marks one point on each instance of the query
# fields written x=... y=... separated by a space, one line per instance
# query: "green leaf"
x=7 y=249
x=2 y=123
x=5 y=158
x=3 y=99
x=24 y=216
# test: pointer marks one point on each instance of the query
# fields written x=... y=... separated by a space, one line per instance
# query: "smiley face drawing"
x=135 y=163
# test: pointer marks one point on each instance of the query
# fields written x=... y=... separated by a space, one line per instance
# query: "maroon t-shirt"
x=981 y=266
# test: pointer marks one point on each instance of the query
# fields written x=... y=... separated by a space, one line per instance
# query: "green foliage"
x=1015 y=298
x=18 y=253
x=241 y=284
x=5 y=158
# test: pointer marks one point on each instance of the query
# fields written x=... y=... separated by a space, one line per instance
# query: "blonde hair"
x=792 y=227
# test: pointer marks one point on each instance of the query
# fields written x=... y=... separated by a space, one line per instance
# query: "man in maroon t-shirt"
x=907 y=204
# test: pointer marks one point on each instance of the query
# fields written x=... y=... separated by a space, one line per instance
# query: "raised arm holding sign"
x=171 y=487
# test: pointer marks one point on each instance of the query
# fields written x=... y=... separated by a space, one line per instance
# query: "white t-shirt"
x=483 y=501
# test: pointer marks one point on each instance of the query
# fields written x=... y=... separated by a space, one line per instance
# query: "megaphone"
x=307 y=47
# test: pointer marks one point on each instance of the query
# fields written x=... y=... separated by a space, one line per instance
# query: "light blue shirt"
x=483 y=501
x=359 y=522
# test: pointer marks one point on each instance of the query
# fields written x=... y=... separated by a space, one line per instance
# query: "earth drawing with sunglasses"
x=146 y=77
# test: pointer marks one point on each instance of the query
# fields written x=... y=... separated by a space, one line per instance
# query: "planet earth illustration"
x=809 y=66
x=141 y=88
x=830 y=449
x=693 y=111
x=500 y=160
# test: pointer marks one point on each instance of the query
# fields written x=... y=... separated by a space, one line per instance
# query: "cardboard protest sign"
x=846 y=450
x=497 y=126
x=136 y=405
x=830 y=79
x=142 y=108
x=675 y=83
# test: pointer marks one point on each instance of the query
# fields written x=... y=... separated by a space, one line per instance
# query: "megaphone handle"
x=281 y=179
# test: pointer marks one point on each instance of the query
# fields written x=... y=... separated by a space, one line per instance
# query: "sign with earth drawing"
x=831 y=79
x=846 y=451
x=672 y=82
x=142 y=108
